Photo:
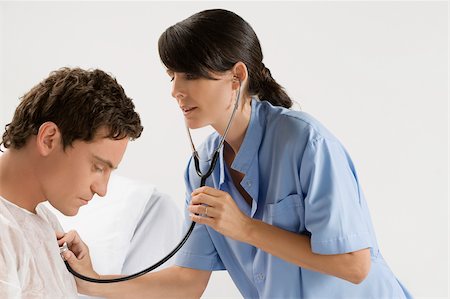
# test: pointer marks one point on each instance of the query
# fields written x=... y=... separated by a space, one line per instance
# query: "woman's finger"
x=202 y=220
x=203 y=198
x=207 y=190
x=79 y=264
x=65 y=239
x=74 y=243
x=59 y=234
x=207 y=211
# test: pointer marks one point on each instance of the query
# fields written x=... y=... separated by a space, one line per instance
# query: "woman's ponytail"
x=269 y=90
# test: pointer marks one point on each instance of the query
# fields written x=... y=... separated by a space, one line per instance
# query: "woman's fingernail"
x=66 y=255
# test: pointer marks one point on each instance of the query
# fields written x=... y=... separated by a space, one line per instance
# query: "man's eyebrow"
x=107 y=162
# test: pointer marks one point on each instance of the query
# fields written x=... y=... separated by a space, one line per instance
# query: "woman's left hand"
x=217 y=209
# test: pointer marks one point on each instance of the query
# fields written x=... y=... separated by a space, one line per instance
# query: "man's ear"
x=48 y=138
x=240 y=74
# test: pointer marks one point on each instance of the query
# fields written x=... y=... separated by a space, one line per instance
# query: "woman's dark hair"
x=214 y=41
x=79 y=102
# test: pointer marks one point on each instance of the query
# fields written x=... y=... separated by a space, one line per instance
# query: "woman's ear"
x=240 y=74
x=48 y=138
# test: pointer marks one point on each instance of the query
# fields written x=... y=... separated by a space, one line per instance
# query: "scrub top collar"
x=246 y=160
x=250 y=145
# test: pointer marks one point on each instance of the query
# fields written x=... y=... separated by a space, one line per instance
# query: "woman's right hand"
x=77 y=257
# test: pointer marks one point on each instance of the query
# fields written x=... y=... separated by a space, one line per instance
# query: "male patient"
x=67 y=135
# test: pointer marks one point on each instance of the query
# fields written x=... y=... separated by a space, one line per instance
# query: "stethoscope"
x=203 y=178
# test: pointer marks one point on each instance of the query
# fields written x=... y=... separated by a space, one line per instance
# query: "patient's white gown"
x=30 y=263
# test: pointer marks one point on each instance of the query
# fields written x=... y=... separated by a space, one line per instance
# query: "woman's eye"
x=191 y=76
x=171 y=75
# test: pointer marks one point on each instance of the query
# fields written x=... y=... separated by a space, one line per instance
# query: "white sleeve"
x=156 y=234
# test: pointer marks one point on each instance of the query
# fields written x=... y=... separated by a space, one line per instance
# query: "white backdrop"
x=375 y=73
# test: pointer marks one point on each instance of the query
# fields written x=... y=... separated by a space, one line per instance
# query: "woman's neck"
x=238 y=128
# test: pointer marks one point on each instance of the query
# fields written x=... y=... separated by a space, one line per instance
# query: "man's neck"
x=18 y=182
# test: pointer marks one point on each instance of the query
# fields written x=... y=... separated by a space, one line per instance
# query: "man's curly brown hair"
x=79 y=102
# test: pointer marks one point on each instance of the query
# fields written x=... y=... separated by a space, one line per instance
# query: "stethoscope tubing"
x=203 y=178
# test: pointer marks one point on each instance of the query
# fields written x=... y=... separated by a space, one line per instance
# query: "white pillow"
x=107 y=223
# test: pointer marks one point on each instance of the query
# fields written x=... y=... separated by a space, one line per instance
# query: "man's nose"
x=100 y=187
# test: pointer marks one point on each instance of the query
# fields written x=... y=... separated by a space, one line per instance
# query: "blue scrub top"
x=301 y=179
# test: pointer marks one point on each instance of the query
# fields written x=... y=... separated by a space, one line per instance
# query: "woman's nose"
x=178 y=88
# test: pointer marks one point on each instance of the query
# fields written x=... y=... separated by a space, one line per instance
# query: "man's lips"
x=84 y=201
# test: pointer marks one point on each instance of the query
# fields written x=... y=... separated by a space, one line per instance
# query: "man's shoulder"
x=48 y=216
x=7 y=222
x=11 y=233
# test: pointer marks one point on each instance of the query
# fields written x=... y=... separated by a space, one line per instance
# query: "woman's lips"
x=188 y=110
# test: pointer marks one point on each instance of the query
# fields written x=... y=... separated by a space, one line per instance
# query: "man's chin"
x=65 y=210
x=70 y=212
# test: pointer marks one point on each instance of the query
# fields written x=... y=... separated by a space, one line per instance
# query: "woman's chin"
x=191 y=124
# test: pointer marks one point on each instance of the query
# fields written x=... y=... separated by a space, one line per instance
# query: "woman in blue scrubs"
x=283 y=211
